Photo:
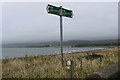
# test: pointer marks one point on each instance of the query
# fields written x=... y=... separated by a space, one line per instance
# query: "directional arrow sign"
x=67 y=13
x=53 y=9
x=56 y=10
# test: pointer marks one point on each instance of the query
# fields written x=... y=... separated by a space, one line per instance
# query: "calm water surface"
x=21 y=52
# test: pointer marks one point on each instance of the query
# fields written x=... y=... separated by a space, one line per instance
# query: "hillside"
x=72 y=43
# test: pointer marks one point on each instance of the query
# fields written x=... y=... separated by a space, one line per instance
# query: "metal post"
x=61 y=37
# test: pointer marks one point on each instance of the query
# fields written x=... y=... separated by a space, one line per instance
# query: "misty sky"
x=29 y=22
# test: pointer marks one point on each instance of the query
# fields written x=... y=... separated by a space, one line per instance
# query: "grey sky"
x=30 y=22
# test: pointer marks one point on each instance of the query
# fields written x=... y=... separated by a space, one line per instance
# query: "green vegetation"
x=93 y=56
x=96 y=44
x=36 y=46
x=49 y=66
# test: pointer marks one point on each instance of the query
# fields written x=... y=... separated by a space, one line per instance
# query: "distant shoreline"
x=58 y=46
x=55 y=54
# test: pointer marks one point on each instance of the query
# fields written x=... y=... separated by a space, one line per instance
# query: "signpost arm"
x=61 y=37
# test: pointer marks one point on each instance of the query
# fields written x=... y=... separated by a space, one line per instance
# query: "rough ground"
x=49 y=66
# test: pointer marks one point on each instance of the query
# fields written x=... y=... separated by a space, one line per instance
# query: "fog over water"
x=29 y=22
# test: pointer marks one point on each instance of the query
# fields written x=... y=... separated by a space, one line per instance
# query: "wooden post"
x=80 y=63
x=70 y=68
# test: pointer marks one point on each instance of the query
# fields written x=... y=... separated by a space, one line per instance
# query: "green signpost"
x=60 y=12
x=56 y=10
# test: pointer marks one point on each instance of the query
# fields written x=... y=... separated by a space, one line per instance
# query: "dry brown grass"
x=49 y=66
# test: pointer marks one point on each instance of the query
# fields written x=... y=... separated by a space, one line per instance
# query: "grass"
x=49 y=66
